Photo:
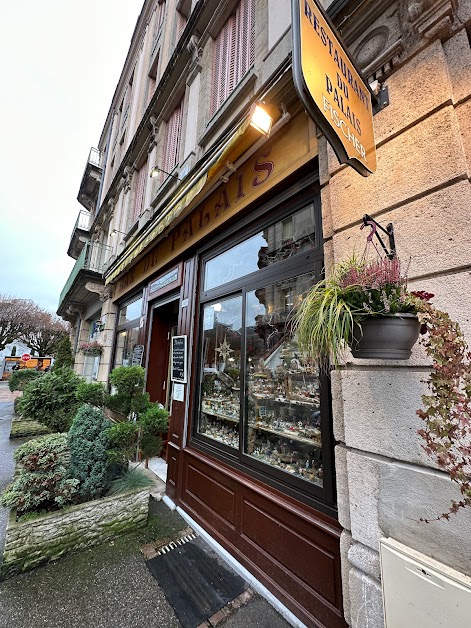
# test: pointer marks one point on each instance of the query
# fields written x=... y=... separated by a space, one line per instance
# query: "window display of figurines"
x=220 y=374
x=281 y=385
x=289 y=455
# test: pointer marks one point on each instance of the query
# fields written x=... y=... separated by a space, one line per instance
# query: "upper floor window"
x=233 y=52
x=172 y=140
x=141 y=177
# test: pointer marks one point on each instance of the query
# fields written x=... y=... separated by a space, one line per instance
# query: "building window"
x=233 y=53
x=140 y=191
x=127 y=332
x=262 y=402
x=172 y=141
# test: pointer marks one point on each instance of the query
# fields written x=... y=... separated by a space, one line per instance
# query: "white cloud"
x=61 y=62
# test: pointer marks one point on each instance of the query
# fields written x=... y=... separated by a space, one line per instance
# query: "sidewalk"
x=108 y=586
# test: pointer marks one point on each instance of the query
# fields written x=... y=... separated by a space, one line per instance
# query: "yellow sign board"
x=331 y=88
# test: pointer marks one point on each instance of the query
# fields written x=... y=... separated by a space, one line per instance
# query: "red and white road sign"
x=26 y=357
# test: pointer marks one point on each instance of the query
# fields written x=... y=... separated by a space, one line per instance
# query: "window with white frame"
x=172 y=141
x=233 y=52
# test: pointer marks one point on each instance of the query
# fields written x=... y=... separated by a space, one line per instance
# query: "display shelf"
x=289 y=435
x=224 y=417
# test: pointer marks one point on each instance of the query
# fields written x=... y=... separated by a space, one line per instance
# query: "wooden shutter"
x=181 y=23
x=160 y=15
x=233 y=53
x=140 y=189
x=172 y=141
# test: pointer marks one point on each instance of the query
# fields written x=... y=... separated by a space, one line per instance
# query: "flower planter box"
x=33 y=542
x=386 y=337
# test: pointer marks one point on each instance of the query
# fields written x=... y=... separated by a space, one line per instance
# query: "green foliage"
x=131 y=480
x=51 y=399
x=154 y=419
x=19 y=379
x=150 y=445
x=355 y=290
x=41 y=481
x=122 y=438
x=447 y=407
x=129 y=383
x=89 y=444
x=64 y=357
x=93 y=393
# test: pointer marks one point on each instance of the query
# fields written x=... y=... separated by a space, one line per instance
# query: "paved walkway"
x=102 y=587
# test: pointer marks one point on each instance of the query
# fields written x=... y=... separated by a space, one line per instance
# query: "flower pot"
x=386 y=337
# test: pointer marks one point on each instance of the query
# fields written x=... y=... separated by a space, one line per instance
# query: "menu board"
x=137 y=354
x=179 y=359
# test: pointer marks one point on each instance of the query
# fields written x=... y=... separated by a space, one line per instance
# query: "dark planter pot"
x=386 y=337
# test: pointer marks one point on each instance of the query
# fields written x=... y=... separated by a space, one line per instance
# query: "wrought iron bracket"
x=382 y=100
x=368 y=221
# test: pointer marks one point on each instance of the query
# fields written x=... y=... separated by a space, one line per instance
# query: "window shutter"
x=172 y=141
x=181 y=23
x=233 y=53
x=140 y=189
x=160 y=15
x=151 y=89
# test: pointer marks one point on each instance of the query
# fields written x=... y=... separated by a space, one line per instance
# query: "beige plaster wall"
x=385 y=480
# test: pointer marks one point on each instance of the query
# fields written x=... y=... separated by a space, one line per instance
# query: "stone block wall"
x=48 y=537
x=385 y=481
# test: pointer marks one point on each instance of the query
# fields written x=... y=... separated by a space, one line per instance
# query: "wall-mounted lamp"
x=115 y=231
x=154 y=173
x=260 y=119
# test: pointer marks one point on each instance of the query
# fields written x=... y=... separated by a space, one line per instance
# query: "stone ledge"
x=36 y=541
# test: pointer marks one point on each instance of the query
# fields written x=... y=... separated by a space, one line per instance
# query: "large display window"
x=127 y=331
x=262 y=403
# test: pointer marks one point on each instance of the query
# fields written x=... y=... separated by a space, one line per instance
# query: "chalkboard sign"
x=137 y=354
x=179 y=358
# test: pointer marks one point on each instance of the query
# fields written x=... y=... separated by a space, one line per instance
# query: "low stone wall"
x=48 y=537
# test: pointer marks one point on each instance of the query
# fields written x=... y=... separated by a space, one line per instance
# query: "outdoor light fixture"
x=115 y=231
x=260 y=119
x=156 y=171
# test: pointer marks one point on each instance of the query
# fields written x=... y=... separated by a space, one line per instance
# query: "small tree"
x=93 y=393
x=63 y=357
x=129 y=383
x=89 y=444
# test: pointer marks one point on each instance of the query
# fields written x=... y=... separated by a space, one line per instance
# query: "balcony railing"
x=92 y=258
x=81 y=229
x=95 y=157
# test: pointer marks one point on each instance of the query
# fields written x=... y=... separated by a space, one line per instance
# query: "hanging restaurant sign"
x=331 y=88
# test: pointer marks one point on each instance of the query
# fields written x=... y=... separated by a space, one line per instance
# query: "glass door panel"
x=282 y=385
x=219 y=414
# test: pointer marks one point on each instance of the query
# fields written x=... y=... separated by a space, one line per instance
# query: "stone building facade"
x=144 y=264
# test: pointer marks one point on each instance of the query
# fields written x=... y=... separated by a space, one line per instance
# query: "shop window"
x=269 y=246
x=262 y=402
x=233 y=53
x=130 y=311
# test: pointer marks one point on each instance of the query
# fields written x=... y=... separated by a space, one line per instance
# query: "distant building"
x=198 y=231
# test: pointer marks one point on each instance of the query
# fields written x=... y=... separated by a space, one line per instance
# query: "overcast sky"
x=60 y=64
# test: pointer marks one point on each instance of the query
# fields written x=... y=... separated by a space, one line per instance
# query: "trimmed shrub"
x=92 y=393
x=41 y=483
x=19 y=379
x=123 y=438
x=64 y=358
x=88 y=444
x=51 y=399
x=153 y=423
x=129 y=383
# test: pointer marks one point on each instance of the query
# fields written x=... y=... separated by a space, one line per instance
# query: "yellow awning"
x=237 y=144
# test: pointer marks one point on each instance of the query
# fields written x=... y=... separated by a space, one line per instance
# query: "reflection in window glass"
x=282 y=386
x=272 y=245
x=220 y=386
x=125 y=343
x=130 y=312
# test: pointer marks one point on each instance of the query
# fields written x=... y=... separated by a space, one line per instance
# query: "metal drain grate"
x=174 y=544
